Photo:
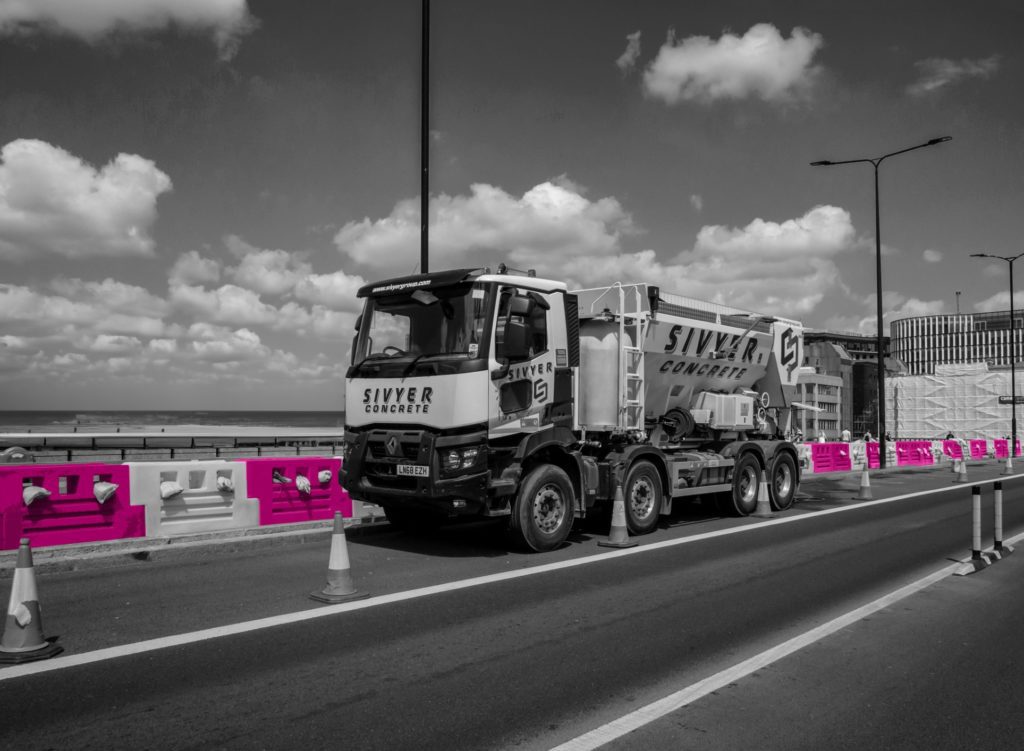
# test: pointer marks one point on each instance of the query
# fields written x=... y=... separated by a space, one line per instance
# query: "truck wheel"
x=746 y=476
x=782 y=481
x=544 y=509
x=642 y=494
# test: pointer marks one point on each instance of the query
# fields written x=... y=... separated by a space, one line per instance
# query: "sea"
x=56 y=421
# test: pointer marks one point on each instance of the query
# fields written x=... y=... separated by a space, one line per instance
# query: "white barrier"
x=195 y=496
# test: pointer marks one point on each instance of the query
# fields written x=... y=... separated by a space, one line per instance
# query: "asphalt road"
x=552 y=651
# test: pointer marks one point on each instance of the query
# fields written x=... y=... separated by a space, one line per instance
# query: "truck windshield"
x=447 y=323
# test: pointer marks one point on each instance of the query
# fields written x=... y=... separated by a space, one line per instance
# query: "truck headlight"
x=454 y=460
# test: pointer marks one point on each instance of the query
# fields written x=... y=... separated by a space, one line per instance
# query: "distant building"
x=823 y=395
x=923 y=342
x=854 y=359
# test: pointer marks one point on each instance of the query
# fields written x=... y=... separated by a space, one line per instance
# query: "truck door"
x=523 y=363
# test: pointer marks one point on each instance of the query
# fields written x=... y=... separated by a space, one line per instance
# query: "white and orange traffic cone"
x=23 y=639
x=1008 y=469
x=865 y=486
x=961 y=472
x=764 y=505
x=618 y=536
x=340 y=587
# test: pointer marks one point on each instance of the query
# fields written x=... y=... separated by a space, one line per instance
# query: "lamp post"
x=1013 y=353
x=874 y=162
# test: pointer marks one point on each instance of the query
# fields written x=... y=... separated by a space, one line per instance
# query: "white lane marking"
x=656 y=710
x=177 y=640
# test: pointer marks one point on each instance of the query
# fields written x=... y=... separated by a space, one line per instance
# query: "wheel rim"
x=748 y=485
x=548 y=508
x=783 y=481
x=641 y=498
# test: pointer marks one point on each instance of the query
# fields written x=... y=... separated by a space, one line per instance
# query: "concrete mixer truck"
x=506 y=395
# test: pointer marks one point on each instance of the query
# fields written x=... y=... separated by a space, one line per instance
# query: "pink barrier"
x=831 y=457
x=1002 y=447
x=953 y=449
x=1017 y=449
x=979 y=449
x=871 y=451
x=283 y=501
x=71 y=512
x=914 y=453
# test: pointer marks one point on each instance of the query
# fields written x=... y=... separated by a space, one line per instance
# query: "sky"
x=192 y=191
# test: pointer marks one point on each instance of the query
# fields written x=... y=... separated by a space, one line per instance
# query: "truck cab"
x=454 y=375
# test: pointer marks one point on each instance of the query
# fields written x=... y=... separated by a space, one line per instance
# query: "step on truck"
x=506 y=395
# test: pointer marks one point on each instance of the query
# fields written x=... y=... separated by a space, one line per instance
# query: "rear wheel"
x=782 y=481
x=544 y=509
x=746 y=476
x=642 y=495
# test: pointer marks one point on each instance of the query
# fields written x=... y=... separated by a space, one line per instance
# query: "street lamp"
x=878 y=281
x=1013 y=354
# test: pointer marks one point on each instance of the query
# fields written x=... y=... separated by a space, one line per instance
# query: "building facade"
x=923 y=342
x=823 y=393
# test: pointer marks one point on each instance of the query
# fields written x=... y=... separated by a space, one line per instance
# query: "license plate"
x=412 y=470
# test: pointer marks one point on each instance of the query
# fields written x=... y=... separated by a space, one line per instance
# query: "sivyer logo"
x=790 y=346
x=398 y=400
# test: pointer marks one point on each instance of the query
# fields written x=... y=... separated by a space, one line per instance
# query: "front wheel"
x=544 y=509
x=782 y=481
x=642 y=495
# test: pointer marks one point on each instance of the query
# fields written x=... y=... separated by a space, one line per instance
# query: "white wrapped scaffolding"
x=962 y=399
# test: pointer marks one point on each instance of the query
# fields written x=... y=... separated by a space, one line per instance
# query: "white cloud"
x=336 y=291
x=697 y=202
x=759 y=64
x=92 y=20
x=269 y=272
x=111 y=295
x=932 y=256
x=113 y=343
x=220 y=344
x=228 y=304
x=192 y=268
x=1001 y=301
x=627 y=60
x=490 y=226
x=53 y=203
x=938 y=73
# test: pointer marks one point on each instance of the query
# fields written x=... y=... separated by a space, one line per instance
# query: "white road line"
x=177 y=640
x=675 y=701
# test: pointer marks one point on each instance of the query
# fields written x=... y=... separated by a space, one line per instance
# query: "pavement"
x=817 y=492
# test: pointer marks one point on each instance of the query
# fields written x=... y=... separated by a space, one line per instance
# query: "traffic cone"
x=961 y=473
x=23 y=639
x=1008 y=469
x=865 y=486
x=764 y=506
x=340 y=587
x=618 y=537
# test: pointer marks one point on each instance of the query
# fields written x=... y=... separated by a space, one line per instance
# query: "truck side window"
x=523 y=313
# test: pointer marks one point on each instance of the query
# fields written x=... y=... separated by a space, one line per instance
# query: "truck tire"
x=544 y=509
x=746 y=477
x=642 y=495
x=782 y=481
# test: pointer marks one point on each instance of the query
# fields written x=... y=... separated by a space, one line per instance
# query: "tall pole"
x=1013 y=371
x=1013 y=351
x=880 y=330
x=878 y=282
x=424 y=137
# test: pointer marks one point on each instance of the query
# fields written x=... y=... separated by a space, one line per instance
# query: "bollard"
x=976 y=523
x=998 y=548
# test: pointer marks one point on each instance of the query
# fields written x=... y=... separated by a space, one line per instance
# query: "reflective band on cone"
x=961 y=472
x=865 y=486
x=23 y=638
x=618 y=536
x=1008 y=469
x=340 y=587
x=764 y=505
